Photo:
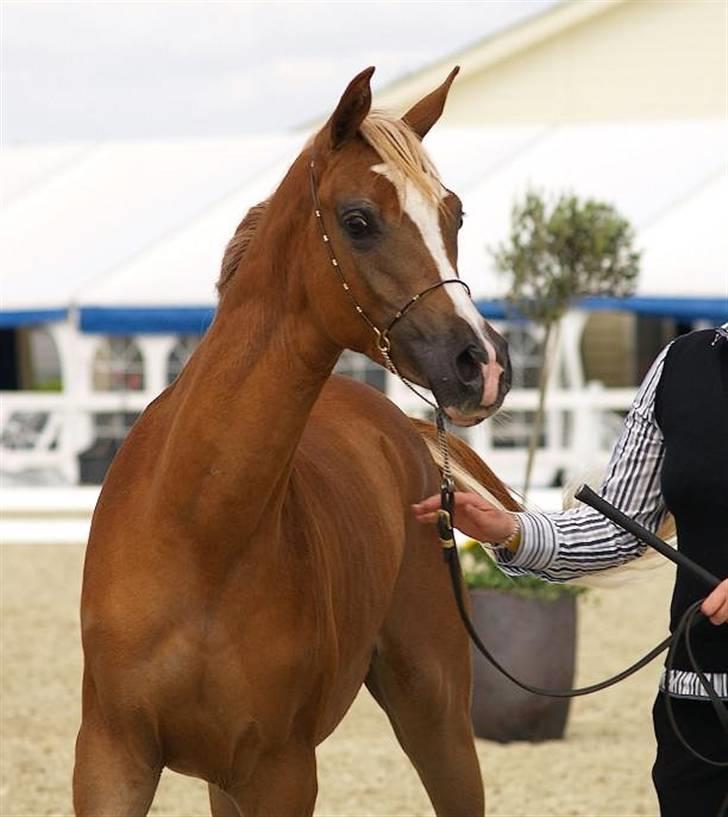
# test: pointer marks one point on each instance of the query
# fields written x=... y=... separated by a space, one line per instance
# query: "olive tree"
x=557 y=252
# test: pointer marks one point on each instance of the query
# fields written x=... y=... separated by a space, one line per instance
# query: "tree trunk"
x=550 y=345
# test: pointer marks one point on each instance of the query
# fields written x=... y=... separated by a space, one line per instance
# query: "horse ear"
x=353 y=107
x=423 y=114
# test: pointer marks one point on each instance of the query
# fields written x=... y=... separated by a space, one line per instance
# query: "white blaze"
x=425 y=215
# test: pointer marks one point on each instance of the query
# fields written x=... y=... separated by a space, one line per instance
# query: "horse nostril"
x=467 y=366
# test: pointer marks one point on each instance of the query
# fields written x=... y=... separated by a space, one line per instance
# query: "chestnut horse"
x=252 y=561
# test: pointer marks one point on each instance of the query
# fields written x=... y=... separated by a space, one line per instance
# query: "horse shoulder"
x=379 y=437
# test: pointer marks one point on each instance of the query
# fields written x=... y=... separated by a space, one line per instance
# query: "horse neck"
x=246 y=395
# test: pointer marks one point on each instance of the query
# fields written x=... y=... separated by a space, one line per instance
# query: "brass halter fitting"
x=384 y=344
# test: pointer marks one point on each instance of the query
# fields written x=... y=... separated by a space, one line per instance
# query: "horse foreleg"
x=283 y=784
x=437 y=737
x=420 y=676
x=108 y=780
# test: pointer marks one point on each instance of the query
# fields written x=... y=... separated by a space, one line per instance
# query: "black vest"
x=691 y=408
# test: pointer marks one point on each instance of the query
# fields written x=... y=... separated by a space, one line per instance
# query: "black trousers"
x=687 y=787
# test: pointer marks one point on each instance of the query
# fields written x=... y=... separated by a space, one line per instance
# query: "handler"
x=672 y=455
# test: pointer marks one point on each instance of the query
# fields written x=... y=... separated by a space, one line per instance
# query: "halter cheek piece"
x=384 y=345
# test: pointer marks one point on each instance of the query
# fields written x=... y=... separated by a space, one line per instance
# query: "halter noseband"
x=383 y=341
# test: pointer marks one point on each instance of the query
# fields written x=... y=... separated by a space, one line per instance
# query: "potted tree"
x=530 y=627
x=557 y=252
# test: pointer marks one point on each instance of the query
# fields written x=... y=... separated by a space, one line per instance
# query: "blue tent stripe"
x=123 y=320
x=685 y=308
x=26 y=317
x=191 y=320
x=711 y=309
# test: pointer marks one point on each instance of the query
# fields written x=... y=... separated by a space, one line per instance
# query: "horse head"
x=385 y=226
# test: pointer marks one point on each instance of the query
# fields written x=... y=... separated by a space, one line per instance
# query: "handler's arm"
x=569 y=544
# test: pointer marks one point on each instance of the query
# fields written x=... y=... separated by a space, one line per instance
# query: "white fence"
x=44 y=433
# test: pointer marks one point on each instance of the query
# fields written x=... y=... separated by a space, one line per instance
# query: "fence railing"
x=46 y=432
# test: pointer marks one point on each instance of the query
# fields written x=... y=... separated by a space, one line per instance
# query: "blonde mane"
x=397 y=145
x=238 y=245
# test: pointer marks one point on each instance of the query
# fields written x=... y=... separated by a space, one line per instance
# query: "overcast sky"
x=165 y=68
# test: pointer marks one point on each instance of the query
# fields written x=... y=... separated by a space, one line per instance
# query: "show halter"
x=384 y=346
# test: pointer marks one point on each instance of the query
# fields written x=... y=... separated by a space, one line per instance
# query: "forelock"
x=401 y=150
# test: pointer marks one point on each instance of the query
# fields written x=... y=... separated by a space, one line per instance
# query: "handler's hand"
x=474 y=516
x=715 y=606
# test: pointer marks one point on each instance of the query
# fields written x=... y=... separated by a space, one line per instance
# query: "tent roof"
x=24 y=166
x=92 y=216
x=132 y=233
x=671 y=182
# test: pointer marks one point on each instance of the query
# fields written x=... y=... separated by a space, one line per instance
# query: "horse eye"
x=462 y=218
x=356 y=225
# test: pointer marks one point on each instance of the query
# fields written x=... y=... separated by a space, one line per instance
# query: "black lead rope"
x=690 y=619
x=692 y=616
x=456 y=576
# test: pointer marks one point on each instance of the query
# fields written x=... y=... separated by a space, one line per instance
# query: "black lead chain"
x=446 y=514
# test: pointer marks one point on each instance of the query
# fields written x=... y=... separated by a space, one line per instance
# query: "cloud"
x=122 y=69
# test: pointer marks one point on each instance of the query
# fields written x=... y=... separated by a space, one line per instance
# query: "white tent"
x=668 y=180
x=185 y=264
x=131 y=234
x=81 y=223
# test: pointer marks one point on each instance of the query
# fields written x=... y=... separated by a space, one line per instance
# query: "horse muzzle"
x=479 y=389
x=468 y=375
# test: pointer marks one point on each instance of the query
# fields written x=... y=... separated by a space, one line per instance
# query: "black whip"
x=691 y=617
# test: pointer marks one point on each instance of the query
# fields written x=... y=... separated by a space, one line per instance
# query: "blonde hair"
x=397 y=145
x=401 y=150
x=238 y=245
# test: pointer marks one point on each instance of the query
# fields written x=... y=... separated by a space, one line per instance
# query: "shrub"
x=481 y=572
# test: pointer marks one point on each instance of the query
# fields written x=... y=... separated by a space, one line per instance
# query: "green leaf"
x=480 y=571
x=565 y=249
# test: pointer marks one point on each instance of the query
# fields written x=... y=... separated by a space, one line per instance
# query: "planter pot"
x=535 y=640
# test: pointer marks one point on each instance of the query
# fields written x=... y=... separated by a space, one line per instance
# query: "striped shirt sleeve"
x=568 y=544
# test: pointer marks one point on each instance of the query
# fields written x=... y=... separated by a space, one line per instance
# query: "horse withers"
x=252 y=561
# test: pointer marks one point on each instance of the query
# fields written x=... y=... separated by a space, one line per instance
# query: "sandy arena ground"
x=600 y=770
